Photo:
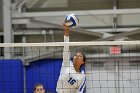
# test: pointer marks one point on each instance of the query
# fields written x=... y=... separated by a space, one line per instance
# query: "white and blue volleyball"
x=71 y=20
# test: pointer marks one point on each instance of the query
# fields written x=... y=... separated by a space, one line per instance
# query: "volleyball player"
x=39 y=88
x=72 y=75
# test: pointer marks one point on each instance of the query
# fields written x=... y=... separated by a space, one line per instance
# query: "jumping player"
x=72 y=77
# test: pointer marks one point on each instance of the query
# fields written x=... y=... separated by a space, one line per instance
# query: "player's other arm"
x=66 y=52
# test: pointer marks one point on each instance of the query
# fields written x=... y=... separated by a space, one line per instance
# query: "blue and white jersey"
x=69 y=80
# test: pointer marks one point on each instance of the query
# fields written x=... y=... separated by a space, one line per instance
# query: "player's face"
x=78 y=58
x=39 y=89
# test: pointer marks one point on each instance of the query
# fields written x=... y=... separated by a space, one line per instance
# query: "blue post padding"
x=11 y=76
x=44 y=71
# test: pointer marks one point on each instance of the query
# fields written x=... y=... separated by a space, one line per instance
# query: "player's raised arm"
x=66 y=52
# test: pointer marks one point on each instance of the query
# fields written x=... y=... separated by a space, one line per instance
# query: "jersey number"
x=71 y=81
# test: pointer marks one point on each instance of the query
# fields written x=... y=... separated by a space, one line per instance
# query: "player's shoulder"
x=71 y=62
x=82 y=69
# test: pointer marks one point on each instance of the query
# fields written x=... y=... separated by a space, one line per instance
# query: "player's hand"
x=66 y=28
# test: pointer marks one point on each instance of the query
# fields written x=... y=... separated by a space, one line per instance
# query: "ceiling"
x=99 y=19
x=68 y=5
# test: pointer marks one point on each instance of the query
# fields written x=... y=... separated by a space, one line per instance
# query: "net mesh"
x=111 y=67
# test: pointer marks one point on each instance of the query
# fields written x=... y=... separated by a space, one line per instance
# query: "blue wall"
x=45 y=72
x=42 y=71
x=11 y=76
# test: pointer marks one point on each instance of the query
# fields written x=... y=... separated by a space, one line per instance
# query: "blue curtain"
x=44 y=71
x=11 y=76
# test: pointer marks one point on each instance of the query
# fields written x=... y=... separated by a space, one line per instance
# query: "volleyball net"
x=111 y=66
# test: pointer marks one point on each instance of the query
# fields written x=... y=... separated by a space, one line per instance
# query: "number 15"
x=71 y=81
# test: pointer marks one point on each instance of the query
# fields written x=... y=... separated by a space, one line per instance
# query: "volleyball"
x=71 y=20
